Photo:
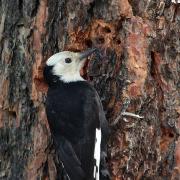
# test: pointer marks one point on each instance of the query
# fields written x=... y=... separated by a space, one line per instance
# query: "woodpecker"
x=76 y=118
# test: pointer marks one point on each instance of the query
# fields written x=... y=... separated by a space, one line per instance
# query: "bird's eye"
x=68 y=60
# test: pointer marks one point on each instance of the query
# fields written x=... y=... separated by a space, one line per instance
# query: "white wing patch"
x=97 y=151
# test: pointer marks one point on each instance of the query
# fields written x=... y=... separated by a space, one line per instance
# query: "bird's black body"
x=74 y=112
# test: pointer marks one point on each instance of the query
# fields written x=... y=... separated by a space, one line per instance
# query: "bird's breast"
x=65 y=111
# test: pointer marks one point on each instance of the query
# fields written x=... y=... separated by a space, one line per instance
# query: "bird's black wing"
x=69 y=159
x=104 y=173
x=94 y=109
x=103 y=123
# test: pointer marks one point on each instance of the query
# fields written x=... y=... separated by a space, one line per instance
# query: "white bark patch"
x=132 y=115
x=97 y=152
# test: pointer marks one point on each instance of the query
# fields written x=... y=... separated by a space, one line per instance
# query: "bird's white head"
x=67 y=65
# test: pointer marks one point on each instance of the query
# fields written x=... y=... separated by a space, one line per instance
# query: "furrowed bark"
x=136 y=75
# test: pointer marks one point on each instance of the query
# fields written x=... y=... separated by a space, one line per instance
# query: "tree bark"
x=137 y=71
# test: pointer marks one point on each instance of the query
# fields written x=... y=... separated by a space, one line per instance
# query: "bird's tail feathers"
x=71 y=163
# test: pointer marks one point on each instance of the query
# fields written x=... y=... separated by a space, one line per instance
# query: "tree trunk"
x=137 y=71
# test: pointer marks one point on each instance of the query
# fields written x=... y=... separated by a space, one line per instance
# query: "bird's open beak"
x=86 y=53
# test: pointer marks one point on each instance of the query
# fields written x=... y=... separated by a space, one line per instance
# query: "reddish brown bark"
x=137 y=72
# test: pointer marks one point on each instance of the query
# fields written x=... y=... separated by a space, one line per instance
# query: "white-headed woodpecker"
x=76 y=117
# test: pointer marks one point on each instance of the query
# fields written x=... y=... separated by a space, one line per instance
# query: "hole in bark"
x=88 y=43
x=106 y=29
x=171 y=135
x=100 y=40
x=12 y=114
x=118 y=41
